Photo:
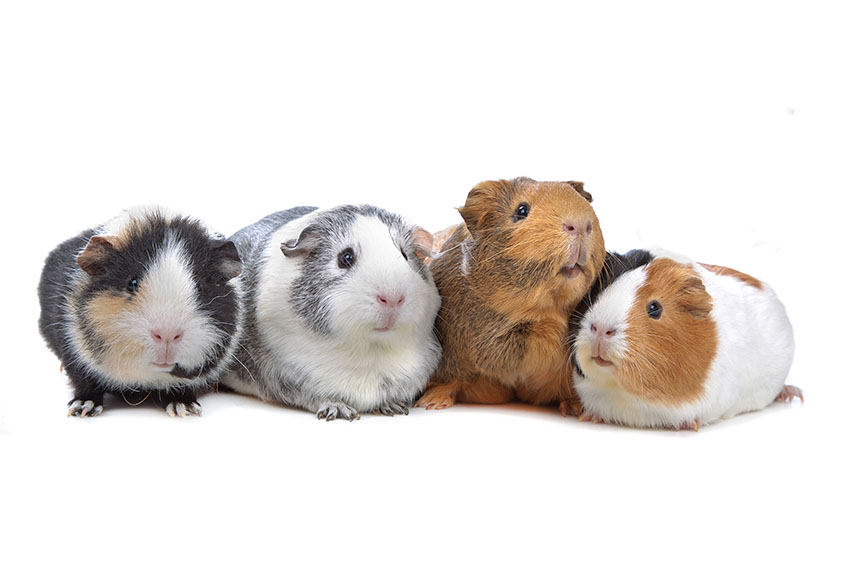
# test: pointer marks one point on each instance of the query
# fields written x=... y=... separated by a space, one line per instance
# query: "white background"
x=719 y=131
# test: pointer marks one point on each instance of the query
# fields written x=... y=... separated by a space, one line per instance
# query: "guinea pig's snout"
x=578 y=227
x=601 y=336
x=167 y=335
x=166 y=341
x=602 y=330
x=390 y=301
x=578 y=231
x=389 y=308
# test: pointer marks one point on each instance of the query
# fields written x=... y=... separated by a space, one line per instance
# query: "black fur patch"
x=614 y=266
x=142 y=242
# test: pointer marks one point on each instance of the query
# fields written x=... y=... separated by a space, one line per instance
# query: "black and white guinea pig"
x=676 y=344
x=146 y=303
x=340 y=311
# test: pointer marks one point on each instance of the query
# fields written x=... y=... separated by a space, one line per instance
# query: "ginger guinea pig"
x=679 y=344
x=340 y=311
x=509 y=277
x=144 y=304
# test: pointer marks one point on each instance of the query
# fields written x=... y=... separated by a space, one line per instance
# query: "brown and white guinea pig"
x=143 y=304
x=509 y=277
x=677 y=344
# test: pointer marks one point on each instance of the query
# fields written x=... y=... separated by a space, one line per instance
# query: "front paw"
x=181 y=409
x=332 y=410
x=571 y=407
x=438 y=397
x=84 y=408
x=391 y=409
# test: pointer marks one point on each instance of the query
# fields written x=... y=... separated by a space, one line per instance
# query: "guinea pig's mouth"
x=601 y=361
x=570 y=271
x=163 y=365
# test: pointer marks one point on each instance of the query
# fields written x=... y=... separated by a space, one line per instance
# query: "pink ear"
x=91 y=259
x=423 y=242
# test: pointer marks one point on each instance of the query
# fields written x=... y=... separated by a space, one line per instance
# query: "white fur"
x=352 y=361
x=754 y=354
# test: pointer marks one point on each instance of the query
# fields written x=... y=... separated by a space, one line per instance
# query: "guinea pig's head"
x=650 y=334
x=362 y=274
x=540 y=238
x=157 y=301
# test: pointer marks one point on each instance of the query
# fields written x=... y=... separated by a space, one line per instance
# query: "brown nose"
x=573 y=226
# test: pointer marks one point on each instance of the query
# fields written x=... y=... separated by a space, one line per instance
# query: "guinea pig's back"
x=251 y=240
x=755 y=340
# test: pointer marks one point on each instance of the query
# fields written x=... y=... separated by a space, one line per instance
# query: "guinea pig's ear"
x=229 y=261
x=482 y=203
x=579 y=187
x=695 y=300
x=93 y=258
x=423 y=242
x=306 y=241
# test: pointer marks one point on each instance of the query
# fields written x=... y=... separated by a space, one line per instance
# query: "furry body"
x=311 y=322
x=510 y=277
x=723 y=345
x=101 y=327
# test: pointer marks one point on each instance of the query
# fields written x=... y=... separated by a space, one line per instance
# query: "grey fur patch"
x=290 y=383
x=319 y=276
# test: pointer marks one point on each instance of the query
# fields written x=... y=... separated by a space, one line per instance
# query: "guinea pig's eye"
x=521 y=211
x=346 y=258
x=133 y=285
x=654 y=310
x=403 y=254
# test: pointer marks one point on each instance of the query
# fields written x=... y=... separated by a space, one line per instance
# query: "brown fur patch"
x=724 y=271
x=669 y=357
x=503 y=320
x=106 y=312
x=98 y=248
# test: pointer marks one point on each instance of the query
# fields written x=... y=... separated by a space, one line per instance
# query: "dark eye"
x=654 y=310
x=403 y=254
x=346 y=258
x=521 y=211
x=133 y=285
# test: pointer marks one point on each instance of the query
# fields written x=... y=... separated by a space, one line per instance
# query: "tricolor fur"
x=145 y=303
x=674 y=343
x=318 y=334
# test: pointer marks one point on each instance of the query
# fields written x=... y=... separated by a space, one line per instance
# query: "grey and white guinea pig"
x=675 y=344
x=340 y=311
x=144 y=304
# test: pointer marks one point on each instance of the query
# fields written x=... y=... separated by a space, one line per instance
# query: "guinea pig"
x=510 y=276
x=340 y=311
x=144 y=304
x=678 y=344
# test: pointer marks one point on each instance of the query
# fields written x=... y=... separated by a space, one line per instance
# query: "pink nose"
x=572 y=226
x=390 y=301
x=603 y=330
x=167 y=335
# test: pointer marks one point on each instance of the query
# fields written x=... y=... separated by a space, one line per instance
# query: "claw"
x=84 y=408
x=689 y=426
x=584 y=416
x=788 y=393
